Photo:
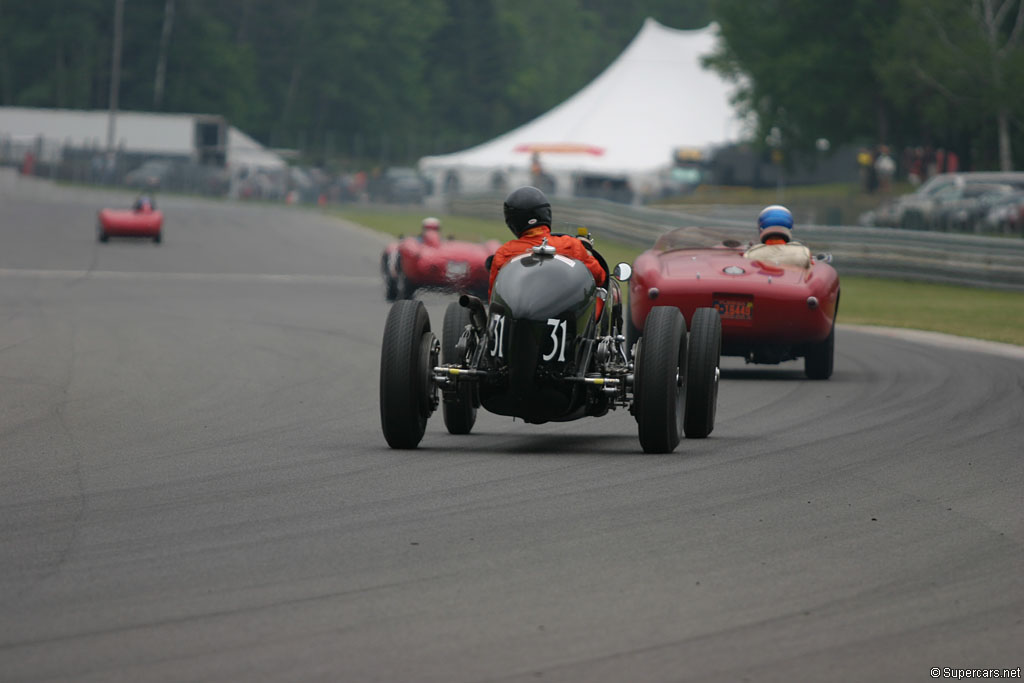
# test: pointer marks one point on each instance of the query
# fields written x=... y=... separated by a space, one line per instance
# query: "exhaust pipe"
x=478 y=313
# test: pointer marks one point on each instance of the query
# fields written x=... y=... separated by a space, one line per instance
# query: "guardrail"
x=960 y=259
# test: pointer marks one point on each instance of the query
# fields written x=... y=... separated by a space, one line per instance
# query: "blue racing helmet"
x=775 y=221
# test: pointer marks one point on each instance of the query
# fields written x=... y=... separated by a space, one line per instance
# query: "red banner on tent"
x=560 y=148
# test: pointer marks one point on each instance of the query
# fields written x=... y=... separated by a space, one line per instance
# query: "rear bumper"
x=787 y=320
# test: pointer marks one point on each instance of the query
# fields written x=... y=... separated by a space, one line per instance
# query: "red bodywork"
x=770 y=313
x=429 y=262
x=130 y=223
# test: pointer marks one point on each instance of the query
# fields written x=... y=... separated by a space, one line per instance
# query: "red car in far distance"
x=429 y=262
x=776 y=307
x=142 y=220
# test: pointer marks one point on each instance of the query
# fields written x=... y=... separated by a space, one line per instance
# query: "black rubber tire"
x=632 y=332
x=459 y=410
x=101 y=234
x=405 y=371
x=390 y=288
x=158 y=238
x=660 y=368
x=703 y=359
x=819 y=360
x=404 y=288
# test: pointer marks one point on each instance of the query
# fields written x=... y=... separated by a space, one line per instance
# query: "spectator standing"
x=952 y=161
x=931 y=166
x=864 y=167
x=885 y=168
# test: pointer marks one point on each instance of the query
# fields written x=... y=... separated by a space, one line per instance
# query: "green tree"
x=403 y=76
x=960 y=64
x=468 y=94
x=806 y=67
x=54 y=54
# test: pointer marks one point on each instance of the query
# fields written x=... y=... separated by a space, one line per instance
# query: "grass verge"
x=963 y=311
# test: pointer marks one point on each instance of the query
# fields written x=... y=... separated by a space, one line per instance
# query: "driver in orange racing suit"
x=528 y=216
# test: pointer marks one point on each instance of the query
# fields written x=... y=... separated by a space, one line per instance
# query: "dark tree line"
x=400 y=78
x=940 y=73
x=333 y=77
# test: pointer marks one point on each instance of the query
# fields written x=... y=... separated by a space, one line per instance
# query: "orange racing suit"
x=563 y=244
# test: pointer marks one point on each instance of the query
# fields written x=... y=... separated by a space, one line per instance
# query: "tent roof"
x=653 y=98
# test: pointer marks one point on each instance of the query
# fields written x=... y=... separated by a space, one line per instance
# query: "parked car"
x=917 y=210
x=151 y=175
x=1005 y=216
x=178 y=176
x=965 y=212
x=399 y=185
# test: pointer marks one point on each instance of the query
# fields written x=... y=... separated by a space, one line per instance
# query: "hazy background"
x=343 y=81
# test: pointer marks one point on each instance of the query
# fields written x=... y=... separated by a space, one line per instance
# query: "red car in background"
x=772 y=310
x=429 y=262
x=142 y=220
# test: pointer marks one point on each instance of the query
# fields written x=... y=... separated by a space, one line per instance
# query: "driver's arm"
x=592 y=264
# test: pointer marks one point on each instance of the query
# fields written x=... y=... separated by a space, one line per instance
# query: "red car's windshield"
x=694 y=237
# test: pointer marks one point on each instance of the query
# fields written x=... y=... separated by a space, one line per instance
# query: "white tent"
x=654 y=98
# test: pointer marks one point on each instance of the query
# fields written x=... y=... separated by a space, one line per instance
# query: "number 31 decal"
x=558 y=346
x=498 y=328
x=558 y=338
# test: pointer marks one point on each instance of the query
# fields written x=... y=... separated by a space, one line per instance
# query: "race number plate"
x=457 y=269
x=734 y=307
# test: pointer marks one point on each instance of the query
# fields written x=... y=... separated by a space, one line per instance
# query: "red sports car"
x=142 y=221
x=429 y=262
x=777 y=303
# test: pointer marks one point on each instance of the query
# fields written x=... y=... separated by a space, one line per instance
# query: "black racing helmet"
x=526 y=208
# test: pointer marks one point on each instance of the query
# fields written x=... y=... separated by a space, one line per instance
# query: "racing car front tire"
x=408 y=355
x=101 y=234
x=632 y=333
x=819 y=359
x=458 y=408
x=660 y=368
x=703 y=357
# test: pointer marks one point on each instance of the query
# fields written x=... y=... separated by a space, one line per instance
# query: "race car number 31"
x=558 y=336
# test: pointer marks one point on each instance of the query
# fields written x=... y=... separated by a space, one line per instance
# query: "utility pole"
x=161 y=60
x=115 y=73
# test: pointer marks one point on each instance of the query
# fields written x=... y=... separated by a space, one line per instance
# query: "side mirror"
x=623 y=271
x=824 y=257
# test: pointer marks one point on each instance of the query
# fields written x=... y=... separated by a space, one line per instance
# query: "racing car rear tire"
x=458 y=408
x=660 y=368
x=407 y=391
x=158 y=238
x=703 y=357
x=818 y=362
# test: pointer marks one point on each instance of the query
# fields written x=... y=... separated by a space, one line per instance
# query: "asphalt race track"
x=194 y=487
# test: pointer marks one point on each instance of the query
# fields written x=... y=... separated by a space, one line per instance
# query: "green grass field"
x=963 y=311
